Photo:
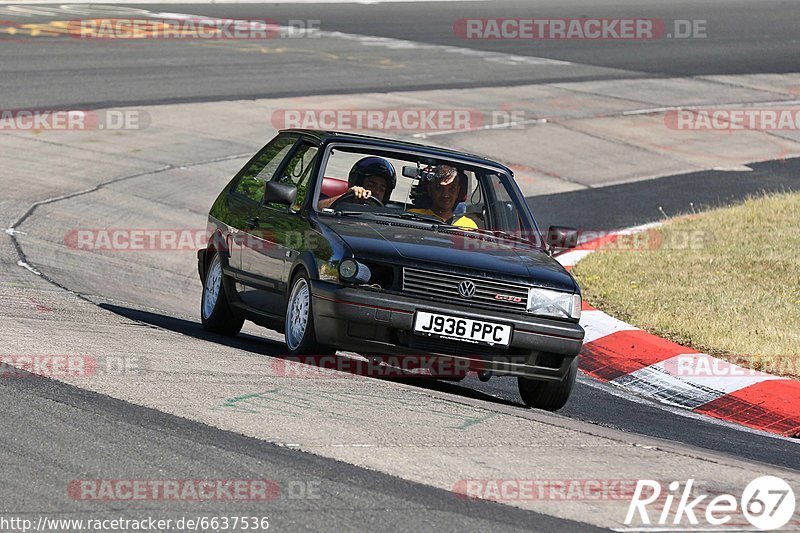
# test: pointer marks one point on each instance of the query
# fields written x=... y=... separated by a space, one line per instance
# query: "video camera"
x=422 y=173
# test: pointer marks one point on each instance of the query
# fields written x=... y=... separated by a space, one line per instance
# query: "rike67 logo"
x=766 y=504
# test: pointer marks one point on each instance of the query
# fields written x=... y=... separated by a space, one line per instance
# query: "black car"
x=377 y=246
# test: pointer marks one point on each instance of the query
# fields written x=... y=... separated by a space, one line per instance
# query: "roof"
x=329 y=136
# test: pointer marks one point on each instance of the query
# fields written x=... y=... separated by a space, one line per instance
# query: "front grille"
x=444 y=287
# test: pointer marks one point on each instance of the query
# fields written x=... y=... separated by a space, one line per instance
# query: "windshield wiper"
x=407 y=215
x=329 y=211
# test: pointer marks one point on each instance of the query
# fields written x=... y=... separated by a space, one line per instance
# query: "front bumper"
x=373 y=322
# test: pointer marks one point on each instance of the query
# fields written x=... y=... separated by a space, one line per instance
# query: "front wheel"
x=301 y=338
x=215 y=311
x=550 y=396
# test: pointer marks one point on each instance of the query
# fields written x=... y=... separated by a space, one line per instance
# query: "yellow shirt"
x=464 y=222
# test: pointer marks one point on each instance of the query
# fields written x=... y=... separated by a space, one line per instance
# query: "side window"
x=504 y=210
x=252 y=182
x=298 y=171
x=474 y=207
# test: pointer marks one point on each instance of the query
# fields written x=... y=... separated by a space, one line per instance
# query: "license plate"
x=462 y=329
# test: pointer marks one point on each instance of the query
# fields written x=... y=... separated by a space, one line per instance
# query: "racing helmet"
x=373 y=166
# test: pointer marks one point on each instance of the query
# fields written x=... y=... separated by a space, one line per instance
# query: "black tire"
x=217 y=317
x=550 y=396
x=305 y=344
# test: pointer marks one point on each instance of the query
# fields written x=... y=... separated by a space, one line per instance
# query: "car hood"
x=394 y=241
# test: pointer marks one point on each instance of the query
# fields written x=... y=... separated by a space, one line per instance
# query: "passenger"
x=370 y=176
x=441 y=194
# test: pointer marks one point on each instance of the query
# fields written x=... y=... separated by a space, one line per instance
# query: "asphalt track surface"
x=77 y=431
x=64 y=424
x=742 y=37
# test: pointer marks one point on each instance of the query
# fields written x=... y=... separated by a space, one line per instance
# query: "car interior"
x=485 y=201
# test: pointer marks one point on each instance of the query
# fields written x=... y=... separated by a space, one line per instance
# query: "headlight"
x=553 y=303
x=348 y=269
x=354 y=271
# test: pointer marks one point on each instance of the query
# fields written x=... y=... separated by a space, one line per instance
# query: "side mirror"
x=562 y=237
x=280 y=193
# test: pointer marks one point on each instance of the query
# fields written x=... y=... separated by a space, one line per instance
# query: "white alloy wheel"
x=212 y=285
x=297 y=317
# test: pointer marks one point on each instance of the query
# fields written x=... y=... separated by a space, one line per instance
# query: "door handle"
x=252 y=222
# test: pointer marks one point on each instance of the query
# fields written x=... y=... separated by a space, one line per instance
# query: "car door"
x=279 y=231
x=245 y=202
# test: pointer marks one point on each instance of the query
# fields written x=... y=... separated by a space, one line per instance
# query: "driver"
x=441 y=194
x=370 y=176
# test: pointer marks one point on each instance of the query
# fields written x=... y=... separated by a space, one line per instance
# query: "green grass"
x=725 y=282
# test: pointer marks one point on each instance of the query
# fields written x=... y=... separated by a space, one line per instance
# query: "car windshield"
x=444 y=192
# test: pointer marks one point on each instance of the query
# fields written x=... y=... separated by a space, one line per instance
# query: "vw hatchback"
x=376 y=246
